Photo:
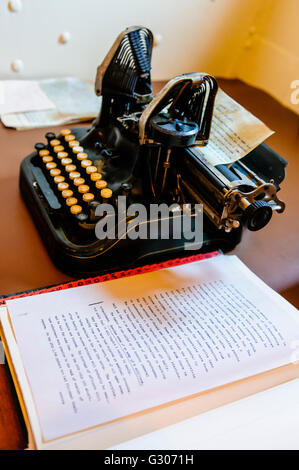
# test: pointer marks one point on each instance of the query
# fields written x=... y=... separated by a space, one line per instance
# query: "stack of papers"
x=27 y=104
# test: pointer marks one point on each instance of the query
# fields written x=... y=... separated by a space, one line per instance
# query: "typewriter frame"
x=123 y=127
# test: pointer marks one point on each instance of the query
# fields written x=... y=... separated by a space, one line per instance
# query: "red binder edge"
x=116 y=275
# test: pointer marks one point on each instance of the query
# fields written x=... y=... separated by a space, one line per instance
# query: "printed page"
x=96 y=353
x=234 y=132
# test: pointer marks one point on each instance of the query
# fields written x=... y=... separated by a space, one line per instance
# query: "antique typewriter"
x=143 y=148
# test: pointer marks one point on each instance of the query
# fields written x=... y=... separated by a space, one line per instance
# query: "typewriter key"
x=50 y=136
x=65 y=132
x=95 y=176
x=39 y=146
x=82 y=156
x=71 y=201
x=59 y=179
x=75 y=209
x=88 y=197
x=74 y=174
x=47 y=159
x=51 y=165
x=91 y=169
x=61 y=155
x=78 y=149
x=58 y=148
x=86 y=163
x=66 y=193
x=55 y=172
x=69 y=138
x=101 y=184
x=54 y=142
x=74 y=143
x=62 y=186
x=66 y=161
x=79 y=181
x=43 y=153
x=106 y=193
x=70 y=168
x=83 y=188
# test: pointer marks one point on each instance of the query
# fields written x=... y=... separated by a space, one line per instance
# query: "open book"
x=97 y=365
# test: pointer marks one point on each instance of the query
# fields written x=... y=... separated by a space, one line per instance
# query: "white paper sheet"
x=268 y=420
x=74 y=101
x=234 y=132
x=96 y=353
x=22 y=95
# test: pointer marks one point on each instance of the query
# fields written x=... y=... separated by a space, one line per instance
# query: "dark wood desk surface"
x=271 y=253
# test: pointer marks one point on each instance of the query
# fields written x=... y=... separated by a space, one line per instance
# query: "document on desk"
x=23 y=95
x=94 y=354
x=234 y=132
x=72 y=101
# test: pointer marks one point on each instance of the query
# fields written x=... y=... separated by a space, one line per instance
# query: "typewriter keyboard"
x=75 y=179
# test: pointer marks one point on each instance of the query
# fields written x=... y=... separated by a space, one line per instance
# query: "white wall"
x=228 y=38
x=197 y=34
x=270 y=58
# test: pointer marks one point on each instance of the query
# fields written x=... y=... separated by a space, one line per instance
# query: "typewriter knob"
x=174 y=132
x=126 y=188
x=257 y=215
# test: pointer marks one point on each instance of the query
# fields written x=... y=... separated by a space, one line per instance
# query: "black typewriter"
x=143 y=148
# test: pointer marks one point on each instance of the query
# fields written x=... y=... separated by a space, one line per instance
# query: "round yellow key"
x=65 y=132
x=74 y=143
x=70 y=168
x=79 y=181
x=75 y=209
x=83 y=188
x=106 y=193
x=47 y=159
x=88 y=197
x=66 y=193
x=95 y=176
x=54 y=142
x=44 y=153
x=74 y=174
x=101 y=184
x=78 y=149
x=66 y=161
x=58 y=148
x=69 y=138
x=59 y=179
x=62 y=186
x=82 y=156
x=55 y=172
x=51 y=165
x=62 y=155
x=86 y=163
x=71 y=201
x=91 y=169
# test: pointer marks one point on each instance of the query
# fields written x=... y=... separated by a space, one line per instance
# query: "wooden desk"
x=270 y=253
